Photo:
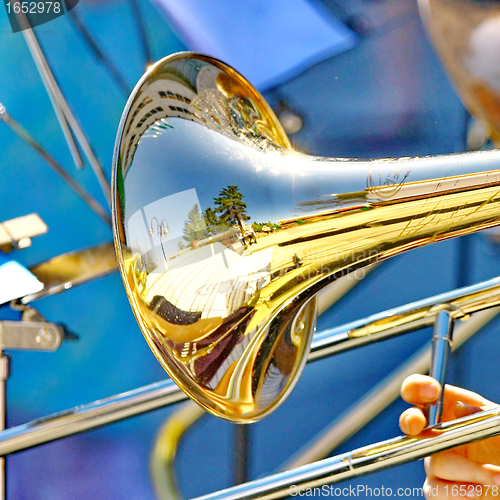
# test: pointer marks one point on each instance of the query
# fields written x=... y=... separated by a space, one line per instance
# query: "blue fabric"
x=268 y=42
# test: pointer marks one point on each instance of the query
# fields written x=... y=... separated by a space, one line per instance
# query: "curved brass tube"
x=161 y=463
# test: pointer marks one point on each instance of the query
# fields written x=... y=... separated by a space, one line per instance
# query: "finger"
x=420 y=389
x=412 y=421
x=452 y=394
x=452 y=467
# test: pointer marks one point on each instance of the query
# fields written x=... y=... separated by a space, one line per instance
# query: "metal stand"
x=4 y=374
x=241 y=453
x=37 y=335
x=67 y=120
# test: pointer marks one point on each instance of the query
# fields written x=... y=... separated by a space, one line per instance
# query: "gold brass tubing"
x=407 y=318
x=161 y=464
x=226 y=306
x=73 y=268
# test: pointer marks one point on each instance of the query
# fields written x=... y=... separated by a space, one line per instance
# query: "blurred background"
x=381 y=92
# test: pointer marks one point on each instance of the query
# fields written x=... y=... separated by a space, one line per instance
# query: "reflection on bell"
x=227 y=300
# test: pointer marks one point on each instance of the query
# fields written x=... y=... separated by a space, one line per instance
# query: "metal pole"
x=142 y=32
x=4 y=375
x=90 y=416
x=441 y=348
x=57 y=97
x=25 y=25
x=241 y=453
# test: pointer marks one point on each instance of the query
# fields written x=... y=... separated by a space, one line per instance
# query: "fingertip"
x=430 y=391
x=419 y=389
x=412 y=421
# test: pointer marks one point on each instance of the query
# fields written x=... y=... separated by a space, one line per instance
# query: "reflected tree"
x=232 y=207
x=212 y=220
x=195 y=228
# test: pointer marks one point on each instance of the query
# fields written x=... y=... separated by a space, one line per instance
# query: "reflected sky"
x=275 y=186
x=171 y=210
x=191 y=156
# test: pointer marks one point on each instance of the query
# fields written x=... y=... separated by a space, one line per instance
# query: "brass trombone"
x=229 y=313
x=231 y=318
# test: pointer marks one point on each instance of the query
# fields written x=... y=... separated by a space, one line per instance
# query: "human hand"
x=471 y=470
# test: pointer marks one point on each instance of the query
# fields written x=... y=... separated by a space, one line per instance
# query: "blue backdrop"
x=388 y=96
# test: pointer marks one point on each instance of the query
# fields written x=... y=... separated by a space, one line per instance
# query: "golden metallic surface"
x=466 y=34
x=227 y=307
x=70 y=269
x=459 y=308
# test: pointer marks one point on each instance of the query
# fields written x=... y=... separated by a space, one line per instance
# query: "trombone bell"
x=225 y=297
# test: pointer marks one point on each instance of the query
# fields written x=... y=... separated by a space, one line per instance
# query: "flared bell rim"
x=275 y=132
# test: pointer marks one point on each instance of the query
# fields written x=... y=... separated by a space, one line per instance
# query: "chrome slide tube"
x=380 y=397
x=89 y=416
x=480 y=296
x=367 y=460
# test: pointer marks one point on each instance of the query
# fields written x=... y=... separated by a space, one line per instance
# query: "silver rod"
x=241 y=452
x=380 y=397
x=72 y=183
x=139 y=19
x=441 y=348
x=50 y=83
x=90 y=416
x=357 y=333
x=372 y=458
x=4 y=375
x=44 y=71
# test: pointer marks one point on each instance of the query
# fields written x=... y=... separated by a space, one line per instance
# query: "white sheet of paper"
x=16 y=281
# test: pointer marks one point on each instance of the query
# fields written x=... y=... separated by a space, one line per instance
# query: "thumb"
x=462 y=409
